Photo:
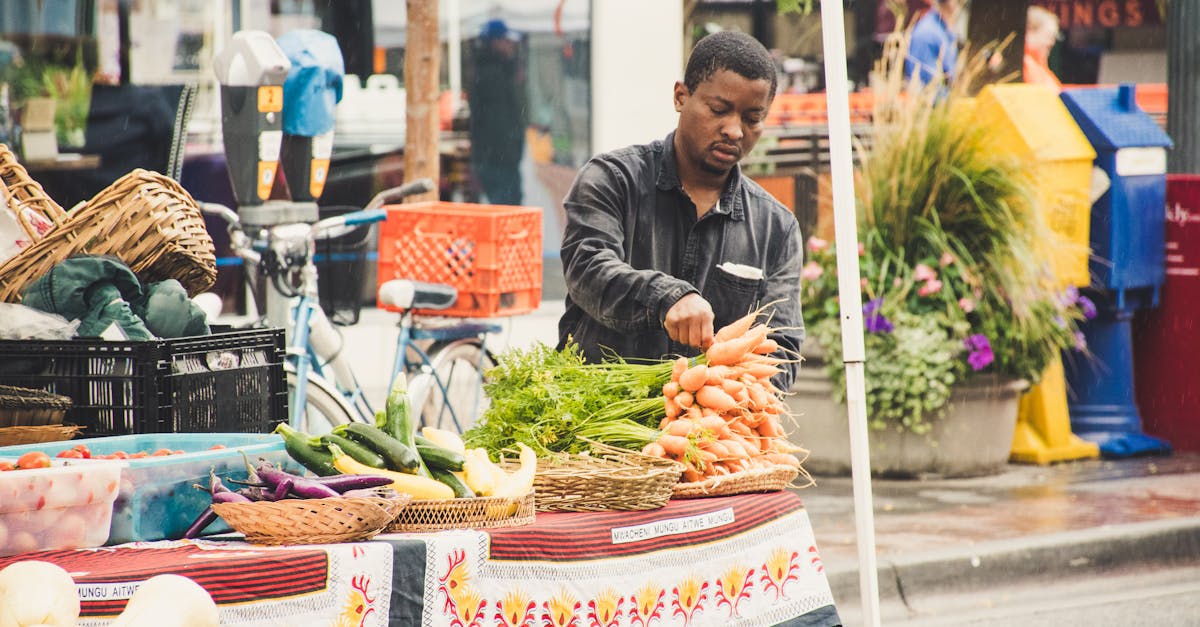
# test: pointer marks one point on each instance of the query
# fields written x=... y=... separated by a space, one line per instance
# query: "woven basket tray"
x=144 y=218
x=476 y=513
x=309 y=521
x=772 y=479
x=13 y=436
x=29 y=407
x=607 y=479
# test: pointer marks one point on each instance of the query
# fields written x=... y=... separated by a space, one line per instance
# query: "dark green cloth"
x=100 y=291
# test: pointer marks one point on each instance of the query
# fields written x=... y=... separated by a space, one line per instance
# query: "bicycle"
x=444 y=360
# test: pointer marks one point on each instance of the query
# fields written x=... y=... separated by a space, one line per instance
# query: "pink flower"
x=967 y=304
x=930 y=287
x=816 y=244
x=946 y=259
x=924 y=273
x=862 y=249
x=897 y=282
x=864 y=283
x=811 y=271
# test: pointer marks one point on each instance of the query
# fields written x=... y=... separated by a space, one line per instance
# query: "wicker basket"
x=14 y=436
x=308 y=521
x=28 y=407
x=23 y=196
x=607 y=479
x=474 y=513
x=770 y=479
x=144 y=218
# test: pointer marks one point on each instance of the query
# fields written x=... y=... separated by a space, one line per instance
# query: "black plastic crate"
x=231 y=381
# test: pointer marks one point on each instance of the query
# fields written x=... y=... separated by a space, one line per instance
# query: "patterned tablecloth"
x=335 y=585
x=740 y=560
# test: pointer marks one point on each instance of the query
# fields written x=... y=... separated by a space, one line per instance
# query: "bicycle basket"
x=341 y=262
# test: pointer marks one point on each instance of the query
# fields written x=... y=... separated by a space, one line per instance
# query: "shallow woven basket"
x=144 y=218
x=770 y=479
x=30 y=407
x=308 y=521
x=13 y=436
x=607 y=479
x=18 y=189
x=484 y=512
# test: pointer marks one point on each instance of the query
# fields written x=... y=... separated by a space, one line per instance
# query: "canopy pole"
x=850 y=296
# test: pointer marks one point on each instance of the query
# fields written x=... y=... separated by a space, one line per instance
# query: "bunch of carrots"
x=723 y=414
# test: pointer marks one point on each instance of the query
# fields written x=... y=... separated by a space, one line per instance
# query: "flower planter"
x=973 y=438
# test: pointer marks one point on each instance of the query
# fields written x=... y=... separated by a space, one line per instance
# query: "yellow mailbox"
x=1031 y=122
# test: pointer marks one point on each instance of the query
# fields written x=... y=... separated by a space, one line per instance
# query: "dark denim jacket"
x=633 y=247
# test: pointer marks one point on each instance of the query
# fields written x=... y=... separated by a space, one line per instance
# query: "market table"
x=739 y=560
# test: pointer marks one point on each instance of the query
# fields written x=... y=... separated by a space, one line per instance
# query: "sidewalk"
x=938 y=535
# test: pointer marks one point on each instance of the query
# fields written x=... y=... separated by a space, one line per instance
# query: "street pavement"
x=937 y=536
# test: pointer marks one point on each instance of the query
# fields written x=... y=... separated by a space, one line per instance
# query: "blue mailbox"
x=1128 y=266
x=1128 y=221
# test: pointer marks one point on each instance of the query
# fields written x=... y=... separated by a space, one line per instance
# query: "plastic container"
x=157 y=500
x=226 y=382
x=66 y=506
x=492 y=254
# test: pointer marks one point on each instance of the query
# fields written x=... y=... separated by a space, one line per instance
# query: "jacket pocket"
x=730 y=296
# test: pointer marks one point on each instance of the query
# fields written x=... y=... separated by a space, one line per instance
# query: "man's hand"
x=690 y=321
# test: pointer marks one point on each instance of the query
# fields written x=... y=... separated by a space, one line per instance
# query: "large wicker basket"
x=29 y=407
x=606 y=479
x=309 y=521
x=14 y=436
x=144 y=218
x=486 y=512
x=766 y=479
x=23 y=196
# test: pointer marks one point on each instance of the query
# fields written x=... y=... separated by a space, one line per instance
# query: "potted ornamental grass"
x=959 y=313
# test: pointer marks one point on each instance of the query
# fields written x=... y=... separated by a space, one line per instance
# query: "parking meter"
x=251 y=71
x=310 y=96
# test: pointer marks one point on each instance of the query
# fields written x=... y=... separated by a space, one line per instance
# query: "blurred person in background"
x=1041 y=33
x=933 y=48
x=496 y=98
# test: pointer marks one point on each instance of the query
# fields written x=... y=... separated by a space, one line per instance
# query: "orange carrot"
x=732 y=351
x=766 y=347
x=762 y=371
x=707 y=457
x=691 y=475
x=782 y=459
x=715 y=447
x=681 y=364
x=694 y=413
x=671 y=408
x=732 y=386
x=673 y=445
x=716 y=398
x=740 y=428
x=717 y=374
x=735 y=465
x=682 y=427
x=738 y=448
x=693 y=378
x=654 y=449
x=684 y=399
x=770 y=427
x=670 y=389
x=713 y=423
x=737 y=328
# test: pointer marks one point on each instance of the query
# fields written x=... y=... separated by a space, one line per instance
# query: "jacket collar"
x=668 y=179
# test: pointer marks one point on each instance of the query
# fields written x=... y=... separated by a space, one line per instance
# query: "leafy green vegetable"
x=546 y=399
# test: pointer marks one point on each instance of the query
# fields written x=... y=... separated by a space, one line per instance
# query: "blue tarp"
x=314 y=83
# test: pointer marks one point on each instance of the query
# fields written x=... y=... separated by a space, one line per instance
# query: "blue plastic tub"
x=156 y=500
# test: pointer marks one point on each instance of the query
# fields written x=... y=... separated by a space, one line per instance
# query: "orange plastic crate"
x=492 y=254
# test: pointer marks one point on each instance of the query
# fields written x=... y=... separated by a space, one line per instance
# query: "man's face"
x=722 y=120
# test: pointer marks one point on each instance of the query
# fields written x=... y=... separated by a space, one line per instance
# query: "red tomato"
x=33 y=459
x=83 y=450
x=119 y=455
x=161 y=452
x=70 y=454
x=6 y=466
x=138 y=455
x=178 y=452
x=216 y=447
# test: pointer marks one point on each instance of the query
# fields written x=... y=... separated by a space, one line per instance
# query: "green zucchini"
x=395 y=453
x=298 y=444
x=461 y=491
x=353 y=448
x=398 y=419
x=436 y=456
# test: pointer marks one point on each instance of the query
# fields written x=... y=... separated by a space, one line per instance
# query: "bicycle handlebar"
x=419 y=186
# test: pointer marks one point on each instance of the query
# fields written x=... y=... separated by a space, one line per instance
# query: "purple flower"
x=1080 y=341
x=1069 y=296
x=1087 y=307
x=981 y=354
x=873 y=321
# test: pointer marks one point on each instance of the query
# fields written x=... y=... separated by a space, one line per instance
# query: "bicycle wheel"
x=325 y=408
x=459 y=366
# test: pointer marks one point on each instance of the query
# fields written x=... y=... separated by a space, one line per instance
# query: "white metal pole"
x=454 y=48
x=849 y=295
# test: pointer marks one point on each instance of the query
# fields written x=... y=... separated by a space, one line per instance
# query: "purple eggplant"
x=300 y=486
x=206 y=518
x=230 y=497
x=342 y=483
x=257 y=493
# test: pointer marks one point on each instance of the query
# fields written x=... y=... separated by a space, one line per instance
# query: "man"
x=666 y=241
x=933 y=48
x=1041 y=33
x=496 y=99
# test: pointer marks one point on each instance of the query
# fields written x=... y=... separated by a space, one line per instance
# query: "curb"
x=1058 y=555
